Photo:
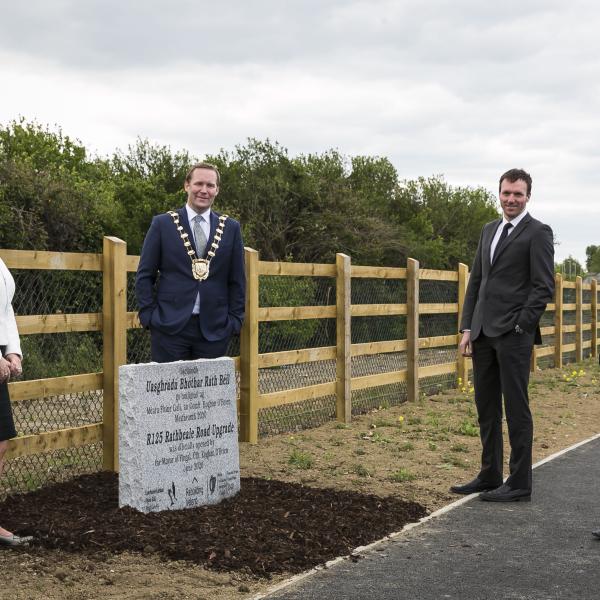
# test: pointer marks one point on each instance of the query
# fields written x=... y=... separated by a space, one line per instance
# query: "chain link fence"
x=41 y=292
x=587 y=320
x=435 y=325
x=52 y=355
x=279 y=336
x=289 y=335
x=547 y=320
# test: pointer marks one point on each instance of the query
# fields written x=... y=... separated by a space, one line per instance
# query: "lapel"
x=183 y=219
x=214 y=221
x=519 y=229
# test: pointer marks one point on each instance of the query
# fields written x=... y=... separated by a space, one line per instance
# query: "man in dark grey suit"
x=511 y=282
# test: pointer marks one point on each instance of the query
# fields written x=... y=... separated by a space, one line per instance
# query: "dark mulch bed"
x=269 y=527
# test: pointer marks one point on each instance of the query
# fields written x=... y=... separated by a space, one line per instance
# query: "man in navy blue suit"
x=190 y=282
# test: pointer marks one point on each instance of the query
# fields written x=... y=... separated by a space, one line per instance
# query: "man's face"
x=513 y=197
x=201 y=189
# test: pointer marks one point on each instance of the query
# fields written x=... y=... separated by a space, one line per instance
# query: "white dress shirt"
x=9 y=336
x=514 y=223
x=205 y=222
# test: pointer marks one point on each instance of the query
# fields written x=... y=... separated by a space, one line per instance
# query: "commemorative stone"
x=178 y=438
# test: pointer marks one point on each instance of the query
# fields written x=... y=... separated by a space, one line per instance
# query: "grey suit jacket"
x=516 y=287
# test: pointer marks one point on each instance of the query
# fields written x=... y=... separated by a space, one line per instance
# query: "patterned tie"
x=503 y=235
x=199 y=236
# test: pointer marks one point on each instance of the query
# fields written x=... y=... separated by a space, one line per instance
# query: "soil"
x=269 y=527
x=306 y=497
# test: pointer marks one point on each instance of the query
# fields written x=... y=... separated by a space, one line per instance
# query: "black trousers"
x=501 y=369
x=189 y=344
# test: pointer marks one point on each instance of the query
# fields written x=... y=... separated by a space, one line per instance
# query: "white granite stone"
x=178 y=434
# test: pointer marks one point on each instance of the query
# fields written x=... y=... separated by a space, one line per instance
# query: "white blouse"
x=9 y=336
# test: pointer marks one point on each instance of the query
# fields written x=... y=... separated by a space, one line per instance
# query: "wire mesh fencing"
x=289 y=335
x=438 y=325
x=285 y=335
x=45 y=355
x=548 y=340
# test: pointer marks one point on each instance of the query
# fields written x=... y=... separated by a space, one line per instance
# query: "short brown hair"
x=203 y=165
x=514 y=175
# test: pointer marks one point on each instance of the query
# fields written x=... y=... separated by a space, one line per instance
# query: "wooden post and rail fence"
x=114 y=321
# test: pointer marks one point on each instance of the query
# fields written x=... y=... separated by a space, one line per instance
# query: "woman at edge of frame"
x=10 y=366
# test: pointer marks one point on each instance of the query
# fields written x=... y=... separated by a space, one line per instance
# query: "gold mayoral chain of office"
x=200 y=266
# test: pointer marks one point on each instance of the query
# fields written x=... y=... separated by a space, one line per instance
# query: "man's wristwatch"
x=518 y=329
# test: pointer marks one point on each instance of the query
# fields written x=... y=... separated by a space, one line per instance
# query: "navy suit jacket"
x=167 y=305
x=515 y=289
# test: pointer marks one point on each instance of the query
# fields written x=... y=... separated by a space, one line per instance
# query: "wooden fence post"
x=533 y=361
x=343 y=360
x=578 y=319
x=249 y=354
x=412 y=329
x=463 y=280
x=114 y=331
x=558 y=320
x=594 y=318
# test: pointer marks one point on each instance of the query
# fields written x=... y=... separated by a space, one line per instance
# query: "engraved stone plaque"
x=178 y=435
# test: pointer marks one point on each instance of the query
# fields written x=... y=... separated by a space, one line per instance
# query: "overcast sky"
x=462 y=88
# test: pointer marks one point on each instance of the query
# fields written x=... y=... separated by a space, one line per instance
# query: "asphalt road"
x=479 y=550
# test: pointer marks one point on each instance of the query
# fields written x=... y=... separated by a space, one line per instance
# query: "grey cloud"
x=120 y=34
x=114 y=34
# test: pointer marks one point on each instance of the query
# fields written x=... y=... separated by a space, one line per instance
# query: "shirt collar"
x=191 y=213
x=516 y=220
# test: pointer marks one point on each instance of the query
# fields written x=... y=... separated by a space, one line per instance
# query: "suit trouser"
x=501 y=368
x=188 y=344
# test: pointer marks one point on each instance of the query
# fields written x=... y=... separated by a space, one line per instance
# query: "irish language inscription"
x=178 y=439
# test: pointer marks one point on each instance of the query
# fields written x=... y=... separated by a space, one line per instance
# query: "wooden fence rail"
x=114 y=321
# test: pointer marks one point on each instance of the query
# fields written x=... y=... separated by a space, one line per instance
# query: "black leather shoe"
x=506 y=494
x=474 y=486
x=14 y=540
x=596 y=533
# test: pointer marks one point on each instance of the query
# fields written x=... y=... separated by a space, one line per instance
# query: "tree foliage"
x=592 y=261
x=570 y=268
x=306 y=208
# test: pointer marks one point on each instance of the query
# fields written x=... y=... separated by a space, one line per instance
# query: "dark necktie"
x=503 y=235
